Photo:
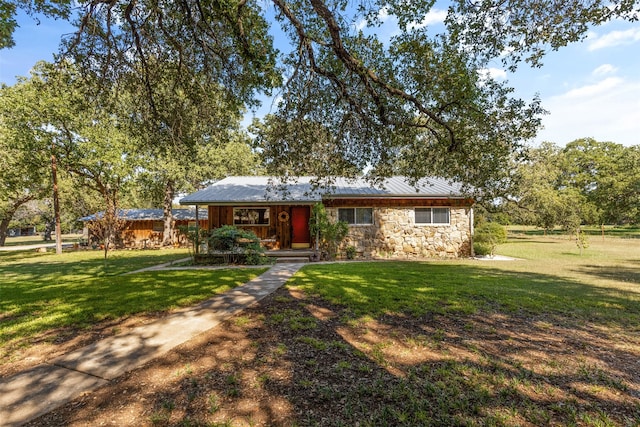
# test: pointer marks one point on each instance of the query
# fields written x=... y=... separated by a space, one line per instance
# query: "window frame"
x=432 y=223
x=248 y=208
x=355 y=216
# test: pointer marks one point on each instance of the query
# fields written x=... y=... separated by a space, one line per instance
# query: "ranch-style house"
x=395 y=219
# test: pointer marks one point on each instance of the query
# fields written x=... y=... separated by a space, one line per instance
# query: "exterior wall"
x=139 y=234
x=395 y=235
x=278 y=232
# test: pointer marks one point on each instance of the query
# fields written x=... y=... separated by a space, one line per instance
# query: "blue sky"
x=591 y=89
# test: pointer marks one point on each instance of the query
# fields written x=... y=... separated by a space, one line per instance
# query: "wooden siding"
x=136 y=232
x=277 y=229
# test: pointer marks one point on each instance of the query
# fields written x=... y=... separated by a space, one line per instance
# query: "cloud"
x=495 y=73
x=608 y=110
x=383 y=14
x=604 y=69
x=435 y=16
x=614 y=38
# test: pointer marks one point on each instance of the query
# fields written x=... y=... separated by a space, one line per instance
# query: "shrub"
x=351 y=252
x=482 y=249
x=328 y=235
x=236 y=245
x=487 y=237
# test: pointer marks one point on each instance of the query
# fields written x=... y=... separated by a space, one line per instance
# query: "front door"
x=300 y=237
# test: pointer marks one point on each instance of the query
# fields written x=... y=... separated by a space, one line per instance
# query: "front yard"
x=52 y=303
x=550 y=339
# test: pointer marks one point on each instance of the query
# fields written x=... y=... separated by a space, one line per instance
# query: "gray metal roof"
x=152 y=214
x=263 y=189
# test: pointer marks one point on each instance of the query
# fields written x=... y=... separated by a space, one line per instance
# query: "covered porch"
x=281 y=228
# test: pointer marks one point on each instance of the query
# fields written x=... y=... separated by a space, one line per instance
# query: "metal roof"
x=264 y=189
x=151 y=214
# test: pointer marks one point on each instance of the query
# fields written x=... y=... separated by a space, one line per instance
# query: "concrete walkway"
x=37 y=391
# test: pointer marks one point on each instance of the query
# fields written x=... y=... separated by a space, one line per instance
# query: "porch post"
x=197 y=239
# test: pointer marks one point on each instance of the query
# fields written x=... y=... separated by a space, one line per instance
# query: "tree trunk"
x=56 y=202
x=8 y=215
x=167 y=234
x=4 y=228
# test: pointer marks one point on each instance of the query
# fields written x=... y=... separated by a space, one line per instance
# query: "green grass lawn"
x=552 y=338
x=37 y=240
x=549 y=276
x=43 y=292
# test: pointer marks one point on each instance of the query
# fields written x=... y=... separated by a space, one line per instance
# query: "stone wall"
x=395 y=235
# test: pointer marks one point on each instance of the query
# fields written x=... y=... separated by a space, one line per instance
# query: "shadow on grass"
x=32 y=309
x=478 y=346
x=627 y=274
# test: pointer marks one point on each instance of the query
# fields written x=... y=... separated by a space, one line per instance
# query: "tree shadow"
x=627 y=274
x=297 y=359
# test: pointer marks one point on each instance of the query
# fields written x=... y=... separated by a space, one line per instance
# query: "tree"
x=79 y=133
x=607 y=175
x=418 y=103
x=22 y=175
x=540 y=194
x=196 y=143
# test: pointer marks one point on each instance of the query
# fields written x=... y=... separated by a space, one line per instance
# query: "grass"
x=45 y=292
x=550 y=277
x=458 y=376
x=552 y=338
x=38 y=240
x=629 y=231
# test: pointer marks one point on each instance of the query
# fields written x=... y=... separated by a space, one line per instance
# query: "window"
x=158 y=226
x=356 y=216
x=250 y=216
x=432 y=215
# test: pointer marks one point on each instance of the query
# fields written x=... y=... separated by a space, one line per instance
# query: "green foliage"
x=350 y=251
x=329 y=235
x=483 y=248
x=487 y=237
x=236 y=244
x=587 y=182
x=582 y=241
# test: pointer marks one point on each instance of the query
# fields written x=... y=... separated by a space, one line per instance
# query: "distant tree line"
x=585 y=182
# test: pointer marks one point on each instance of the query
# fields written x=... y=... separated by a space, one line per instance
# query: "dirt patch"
x=293 y=359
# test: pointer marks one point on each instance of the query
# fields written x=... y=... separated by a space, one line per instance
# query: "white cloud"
x=495 y=73
x=435 y=16
x=614 y=38
x=608 y=110
x=383 y=14
x=604 y=69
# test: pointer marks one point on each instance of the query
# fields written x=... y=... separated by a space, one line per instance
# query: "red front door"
x=300 y=237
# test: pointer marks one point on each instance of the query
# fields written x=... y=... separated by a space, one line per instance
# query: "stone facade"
x=395 y=235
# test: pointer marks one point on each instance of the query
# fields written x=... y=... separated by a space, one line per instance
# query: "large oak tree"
x=416 y=104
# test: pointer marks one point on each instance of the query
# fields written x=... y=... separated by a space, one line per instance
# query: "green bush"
x=329 y=235
x=487 y=237
x=351 y=252
x=236 y=244
x=482 y=249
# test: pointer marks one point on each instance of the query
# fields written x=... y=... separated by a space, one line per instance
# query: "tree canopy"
x=586 y=182
x=417 y=103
